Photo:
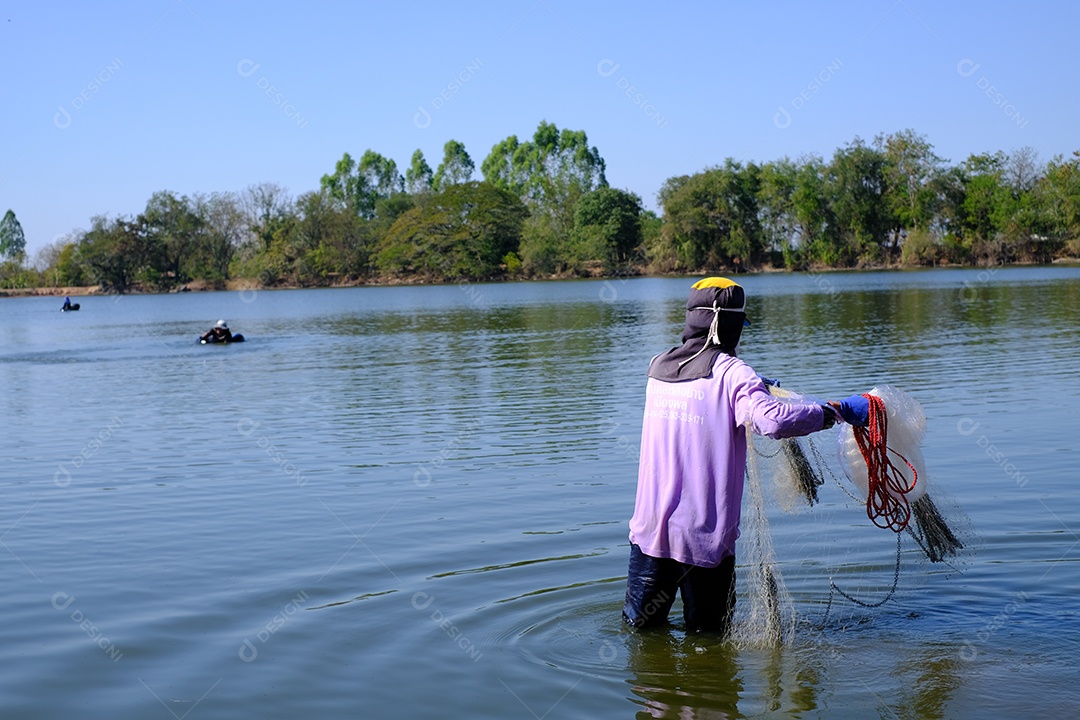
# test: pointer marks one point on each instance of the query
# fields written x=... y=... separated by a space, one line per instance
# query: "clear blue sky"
x=108 y=102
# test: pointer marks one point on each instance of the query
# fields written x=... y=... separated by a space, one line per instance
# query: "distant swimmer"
x=220 y=333
x=68 y=305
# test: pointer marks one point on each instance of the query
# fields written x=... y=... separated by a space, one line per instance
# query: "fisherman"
x=220 y=333
x=693 y=460
x=67 y=303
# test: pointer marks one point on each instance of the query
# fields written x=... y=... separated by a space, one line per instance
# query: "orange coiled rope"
x=886 y=502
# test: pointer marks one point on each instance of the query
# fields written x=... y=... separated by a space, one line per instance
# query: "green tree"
x=348 y=187
x=549 y=167
x=550 y=173
x=986 y=207
x=910 y=169
x=173 y=232
x=114 y=253
x=816 y=229
x=225 y=228
x=776 y=190
x=359 y=186
x=1059 y=192
x=267 y=208
x=464 y=232
x=418 y=178
x=12 y=239
x=381 y=178
x=69 y=266
x=607 y=227
x=856 y=189
x=457 y=167
x=712 y=219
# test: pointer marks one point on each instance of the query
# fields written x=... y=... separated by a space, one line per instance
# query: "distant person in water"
x=67 y=303
x=219 y=333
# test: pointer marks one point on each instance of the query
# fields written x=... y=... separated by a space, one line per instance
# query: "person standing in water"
x=693 y=460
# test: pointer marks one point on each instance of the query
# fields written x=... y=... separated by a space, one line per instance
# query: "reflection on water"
x=413 y=501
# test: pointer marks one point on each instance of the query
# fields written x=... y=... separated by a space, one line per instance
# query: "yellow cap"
x=716 y=282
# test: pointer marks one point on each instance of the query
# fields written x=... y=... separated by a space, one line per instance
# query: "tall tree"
x=115 y=253
x=1022 y=169
x=456 y=167
x=464 y=232
x=549 y=173
x=778 y=182
x=348 y=187
x=985 y=194
x=267 y=207
x=910 y=168
x=549 y=167
x=418 y=178
x=712 y=219
x=12 y=239
x=359 y=186
x=381 y=177
x=607 y=227
x=815 y=224
x=173 y=232
x=225 y=229
x=856 y=189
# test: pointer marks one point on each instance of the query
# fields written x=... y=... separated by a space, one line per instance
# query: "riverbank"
x=238 y=284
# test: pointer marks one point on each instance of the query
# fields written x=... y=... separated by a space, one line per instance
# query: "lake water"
x=412 y=502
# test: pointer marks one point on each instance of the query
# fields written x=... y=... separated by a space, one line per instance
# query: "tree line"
x=544 y=208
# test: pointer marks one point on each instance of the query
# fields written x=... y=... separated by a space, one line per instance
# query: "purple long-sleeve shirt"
x=693 y=459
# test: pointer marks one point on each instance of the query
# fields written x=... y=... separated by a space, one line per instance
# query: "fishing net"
x=881 y=469
x=764 y=613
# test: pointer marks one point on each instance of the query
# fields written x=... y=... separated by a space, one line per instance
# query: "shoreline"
x=238 y=284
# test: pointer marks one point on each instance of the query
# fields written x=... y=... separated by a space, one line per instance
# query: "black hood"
x=715 y=316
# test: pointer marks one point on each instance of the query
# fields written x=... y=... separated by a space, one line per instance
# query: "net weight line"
x=834 y=589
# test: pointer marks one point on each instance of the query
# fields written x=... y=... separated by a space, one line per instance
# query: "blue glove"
x=855 y=410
